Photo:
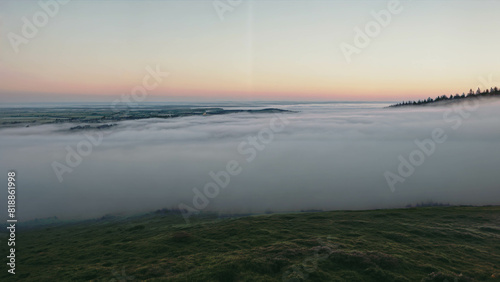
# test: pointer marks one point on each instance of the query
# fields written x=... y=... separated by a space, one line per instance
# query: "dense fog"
x=322 y=156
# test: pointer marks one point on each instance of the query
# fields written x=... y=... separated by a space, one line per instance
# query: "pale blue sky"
x=93 y=50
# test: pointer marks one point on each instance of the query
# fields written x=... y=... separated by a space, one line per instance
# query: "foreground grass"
x=422 y=244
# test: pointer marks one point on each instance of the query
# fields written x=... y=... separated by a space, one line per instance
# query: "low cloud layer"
x=329 y=156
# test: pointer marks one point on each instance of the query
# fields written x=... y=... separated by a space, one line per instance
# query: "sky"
x=256 y=50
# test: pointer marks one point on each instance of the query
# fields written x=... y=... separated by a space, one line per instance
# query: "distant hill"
x=104 y=117
x=492 y=92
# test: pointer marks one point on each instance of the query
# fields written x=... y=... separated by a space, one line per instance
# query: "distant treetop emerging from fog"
x=492 y=92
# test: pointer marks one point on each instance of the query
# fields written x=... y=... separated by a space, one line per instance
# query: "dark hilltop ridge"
x=414 y=244
x=442 y=100
x=105 y=117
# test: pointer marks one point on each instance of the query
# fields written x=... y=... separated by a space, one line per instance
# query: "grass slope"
x=418 y=244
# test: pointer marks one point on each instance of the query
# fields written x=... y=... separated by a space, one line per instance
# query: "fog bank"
x=326 y=156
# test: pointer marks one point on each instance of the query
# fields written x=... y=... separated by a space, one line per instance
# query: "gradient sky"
x=279 y=50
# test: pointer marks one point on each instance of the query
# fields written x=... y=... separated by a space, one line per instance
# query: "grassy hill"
x=417 y=244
